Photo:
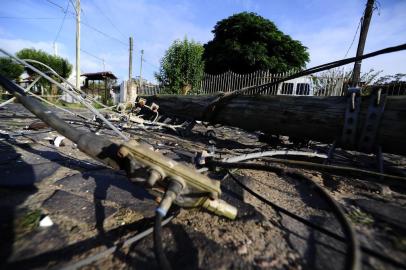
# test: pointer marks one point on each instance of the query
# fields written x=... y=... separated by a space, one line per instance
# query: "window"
x=303 y=89
x=287 y=89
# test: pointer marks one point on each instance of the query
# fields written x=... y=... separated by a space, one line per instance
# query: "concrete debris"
x=46 y=222
x=58 y=141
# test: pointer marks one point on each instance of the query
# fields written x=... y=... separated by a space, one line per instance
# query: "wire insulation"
x=354 y=257
x=158 y=247
x=314 y=226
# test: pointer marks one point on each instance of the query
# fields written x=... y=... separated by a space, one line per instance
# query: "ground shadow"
x=11 y=197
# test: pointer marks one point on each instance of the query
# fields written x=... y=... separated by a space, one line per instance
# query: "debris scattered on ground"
x=92 y=206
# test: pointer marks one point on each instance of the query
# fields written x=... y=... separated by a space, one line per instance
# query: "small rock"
x=242 y=250
x=37 y=125
x=266 y=262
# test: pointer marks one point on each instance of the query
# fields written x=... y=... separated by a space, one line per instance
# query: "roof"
x=100 y=75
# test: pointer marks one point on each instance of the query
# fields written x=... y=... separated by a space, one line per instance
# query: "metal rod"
x=79 y=98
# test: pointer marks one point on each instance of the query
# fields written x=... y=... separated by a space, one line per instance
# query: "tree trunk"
x=316 y=118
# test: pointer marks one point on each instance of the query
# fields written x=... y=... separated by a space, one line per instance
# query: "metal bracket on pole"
x=349 y=135
x=369 y=132
x=330 y=154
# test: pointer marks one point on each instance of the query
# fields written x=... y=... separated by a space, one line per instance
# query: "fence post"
x=221 y=82
x=229 y=81
x=212 y=81
x=233 y=81
x=219 y=86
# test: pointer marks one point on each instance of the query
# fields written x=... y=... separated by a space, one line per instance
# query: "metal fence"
x=396 y=88
x=231 y=81
x=330 y=83
x=149 y=89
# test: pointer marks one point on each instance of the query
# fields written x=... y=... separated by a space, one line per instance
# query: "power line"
x=108 y=19
x=28 y=18
x=90 y=26
x=62 y=8
x=63 y=21
x=149 y=63
x=104 y=34
x=88 y=53
x=98 y=58
x=353 y=39
x=55 y=4
x=74 y=7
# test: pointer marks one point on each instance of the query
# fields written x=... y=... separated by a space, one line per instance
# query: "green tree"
x=59 y=64
x=181 y=67
x=10 y=69
x=247 y=42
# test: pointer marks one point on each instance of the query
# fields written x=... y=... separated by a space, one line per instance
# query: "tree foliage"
x=181 y=67
x=59 y=64
x=247 y=42
x=10 y=69
x=397 y=78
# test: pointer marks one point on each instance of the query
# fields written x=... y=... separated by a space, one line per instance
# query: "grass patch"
x=28 y=222
x=400 y=243
x=126 y=216
x=359 y=217
x=69 y=105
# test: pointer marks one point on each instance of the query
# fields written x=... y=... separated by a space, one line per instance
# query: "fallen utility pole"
x=141 y=163
x=315 y=118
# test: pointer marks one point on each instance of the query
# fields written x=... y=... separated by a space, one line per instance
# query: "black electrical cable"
x=71 y=250
x=158 y=247
x=353 y=255
x=329 y=66
x=312 y=225
x=375 y=177
x=171 y=193
x=212 y=109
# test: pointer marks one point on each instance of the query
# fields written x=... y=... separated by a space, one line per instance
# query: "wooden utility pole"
x=130 y=62
x=294 y=116
x=362 y=39
x=142 y=59
x=78 y=44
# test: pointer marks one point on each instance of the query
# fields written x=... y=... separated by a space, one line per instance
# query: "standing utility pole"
x=362 y=39
x=142 y=59
x=130 y=64
x=55 y=46
x=78 y=44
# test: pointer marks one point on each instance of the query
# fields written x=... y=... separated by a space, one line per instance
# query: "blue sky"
x=326 y=27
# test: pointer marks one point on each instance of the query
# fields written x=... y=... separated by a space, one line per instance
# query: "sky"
x=326 y=27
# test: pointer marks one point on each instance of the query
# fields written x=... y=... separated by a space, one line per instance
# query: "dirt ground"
x=93 y=207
